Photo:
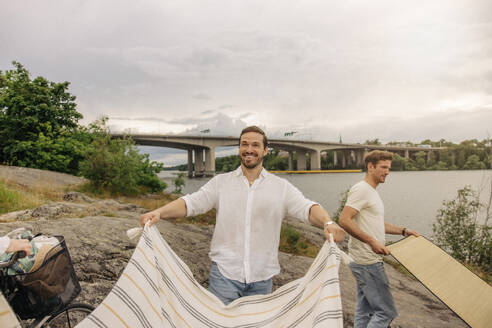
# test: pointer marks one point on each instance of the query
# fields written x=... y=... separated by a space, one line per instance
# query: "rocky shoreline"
x=95 y=232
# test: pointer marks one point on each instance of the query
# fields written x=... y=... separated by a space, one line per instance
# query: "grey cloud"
x=201 y=96
x=455 y=125
x=219 y=124
x=285 y=65
x=225 y=106
x=245 y=115
x=152 y=119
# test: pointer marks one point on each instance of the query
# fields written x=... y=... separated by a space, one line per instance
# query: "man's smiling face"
x=251 y=149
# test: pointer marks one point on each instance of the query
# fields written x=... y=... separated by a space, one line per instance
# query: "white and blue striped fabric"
x=157 y=289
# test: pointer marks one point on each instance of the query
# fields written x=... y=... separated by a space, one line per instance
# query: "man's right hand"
x=379 y=248
x=153 y=217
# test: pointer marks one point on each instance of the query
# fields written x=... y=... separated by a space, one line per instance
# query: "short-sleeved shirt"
x=247 y=229
x=370 y=219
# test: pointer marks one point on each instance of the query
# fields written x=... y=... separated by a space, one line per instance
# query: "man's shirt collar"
x=239 y=172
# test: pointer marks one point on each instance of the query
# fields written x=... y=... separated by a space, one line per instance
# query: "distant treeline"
x=467 y=155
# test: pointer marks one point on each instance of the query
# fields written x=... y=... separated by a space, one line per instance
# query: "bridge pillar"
x=210 y=161
x=407 y=154
x=359 y=155
x=429 y=155
x=198 y=162
x=190 y=163
x=301 y=161
x=335 y=158
x=315 y=160
x=291 y=161
x=349 y=157
x=344 y=160
x=363 y=157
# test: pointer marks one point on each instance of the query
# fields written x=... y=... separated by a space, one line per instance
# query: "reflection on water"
x=411 y=199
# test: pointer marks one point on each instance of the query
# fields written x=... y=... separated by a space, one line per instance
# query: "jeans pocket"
x=358 y=273
x=380 y=274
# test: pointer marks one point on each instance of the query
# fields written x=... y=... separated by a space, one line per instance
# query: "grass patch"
x=15 y=199
x=292 y=242
x=9 y=199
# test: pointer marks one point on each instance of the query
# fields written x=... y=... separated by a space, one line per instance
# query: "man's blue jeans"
x=375 y=306
x=228 y=290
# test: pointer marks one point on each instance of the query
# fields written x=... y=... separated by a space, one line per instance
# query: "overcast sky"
x=393 y=70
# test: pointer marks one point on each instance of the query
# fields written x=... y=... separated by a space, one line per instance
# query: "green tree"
x=473 y=163
x=227 y=163
x=179 y=183
x=458 y=229
x=341 y=204
x=39 y=123
x=431 y=161
x=420 y=160
x=373 y=142
x=441 y=166
x=446 y=157
x=115 y=165
x=398 y=163
x=274 y=162
x=410 y=165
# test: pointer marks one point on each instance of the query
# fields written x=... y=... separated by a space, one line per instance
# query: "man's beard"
x=251 y=165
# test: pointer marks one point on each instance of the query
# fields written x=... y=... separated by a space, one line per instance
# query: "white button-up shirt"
x=247 y=229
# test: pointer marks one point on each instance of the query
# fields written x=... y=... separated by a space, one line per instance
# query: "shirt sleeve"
x=297 y=205
x=356 y=198
x=4 y=244
x=202 y=200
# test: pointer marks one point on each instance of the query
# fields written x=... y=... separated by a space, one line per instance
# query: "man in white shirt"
x=250 y=204
x=363 y=218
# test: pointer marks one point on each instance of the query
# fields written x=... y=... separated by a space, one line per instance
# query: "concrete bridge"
x=201 y=150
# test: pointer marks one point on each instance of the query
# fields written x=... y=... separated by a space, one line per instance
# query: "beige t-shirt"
x=370 y=219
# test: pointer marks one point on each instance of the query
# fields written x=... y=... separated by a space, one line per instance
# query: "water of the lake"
x=411 y=199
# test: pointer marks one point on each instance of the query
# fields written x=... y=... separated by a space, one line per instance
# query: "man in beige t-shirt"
x=363 y=218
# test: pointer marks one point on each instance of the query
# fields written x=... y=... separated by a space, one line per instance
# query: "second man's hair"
x=377 y=155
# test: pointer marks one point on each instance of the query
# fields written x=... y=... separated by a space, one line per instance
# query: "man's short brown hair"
x=377 y=155
x=256 y=129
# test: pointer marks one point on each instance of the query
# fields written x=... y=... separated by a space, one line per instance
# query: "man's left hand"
x=337 y=232
x=410 y=232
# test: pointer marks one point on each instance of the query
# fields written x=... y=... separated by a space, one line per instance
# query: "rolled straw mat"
x=460 y=289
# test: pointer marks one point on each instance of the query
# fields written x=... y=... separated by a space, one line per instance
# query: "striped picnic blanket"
x=157 y=289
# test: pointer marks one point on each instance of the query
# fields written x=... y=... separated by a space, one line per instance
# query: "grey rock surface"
x=24 y=176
